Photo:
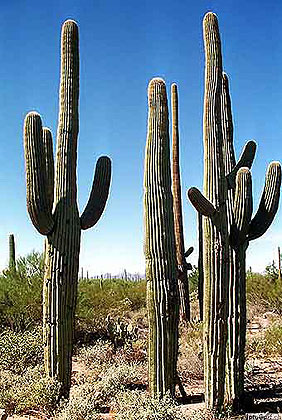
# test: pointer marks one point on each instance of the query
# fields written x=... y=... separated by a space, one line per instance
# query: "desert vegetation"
x=185 y=342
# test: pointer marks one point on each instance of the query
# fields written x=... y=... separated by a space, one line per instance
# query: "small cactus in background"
x=52 y=206
x=228 y=228
x=181 y=256
x=12 y=252
x=159 y=247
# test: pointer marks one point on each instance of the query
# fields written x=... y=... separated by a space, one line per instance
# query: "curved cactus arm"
x=38 y=205
x=189 y=252
x=49 y=160
x=99 y=193
x=269 y=202
x=242 y=207
x=201 y=203
x=246 y=160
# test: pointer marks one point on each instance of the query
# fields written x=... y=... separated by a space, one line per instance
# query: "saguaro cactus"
x=242 y=229
x=234 y=204
x=52 y=206
x=215 y=232
x=183 y=266
x=161 y=266
x=12 y=252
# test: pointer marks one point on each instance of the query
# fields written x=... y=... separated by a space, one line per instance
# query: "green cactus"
x=181 y=256
x=215 y=227
x=242 y=229
x=233 y=204
x=159 y=247
x=12 y=252
x=200 y=267
x=52 y=206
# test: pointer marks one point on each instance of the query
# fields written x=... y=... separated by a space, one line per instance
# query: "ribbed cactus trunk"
x=200 y=267
x=12 y=252
x=215 y=240
x=159 y=248
x=230 y=220
x=56 y=215
x=63 y=243
x=215 y=224
x=242 y=229
x=183 y=283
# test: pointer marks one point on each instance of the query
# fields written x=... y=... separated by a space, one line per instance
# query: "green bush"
x=31 y=390
x=268 y=343
x=138 y=405
x=96 y=394
x=265 y=292
x=19 y=351
x=114 y=299
x=21 y=293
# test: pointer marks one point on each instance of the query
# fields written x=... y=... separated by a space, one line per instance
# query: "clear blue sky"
x=123 y=44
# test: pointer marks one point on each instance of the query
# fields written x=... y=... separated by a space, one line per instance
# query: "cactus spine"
x=159 y=248
x=12 y=252
x=52 y=206
x=183 y=283
x=236 y=203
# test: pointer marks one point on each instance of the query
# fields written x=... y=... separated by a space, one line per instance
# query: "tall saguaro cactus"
x=243 y=228
x=234 y=204
x=161 y=266
x=52 y=206
x=215 y=233
x=183 y=266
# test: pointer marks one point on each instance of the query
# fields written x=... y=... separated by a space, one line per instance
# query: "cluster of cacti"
x=159 y=247
x=52 y=206
x=228 y=226
x=181 y=255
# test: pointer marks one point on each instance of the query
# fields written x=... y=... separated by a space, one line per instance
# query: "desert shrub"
x=138 y=405
x=28 y=391
x=193 y=277
x=96 y=394
x=81 y=405
x=190 y=358
x=21 y=293
x=114 y=299
x=263 y=291
x=18 y=351
x=268 y=343
x=97 y=354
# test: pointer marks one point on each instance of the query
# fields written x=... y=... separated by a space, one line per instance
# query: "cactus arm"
x=242 y=207
x=269 y=202
x=99 y=194
x=201 y=203
x=38 y=205
x=49 y=159
x=246 y=160
x=189 y=252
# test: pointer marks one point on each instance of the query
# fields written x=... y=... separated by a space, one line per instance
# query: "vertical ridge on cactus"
x=159 y=247
x=183 y=283
x=46 y=191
